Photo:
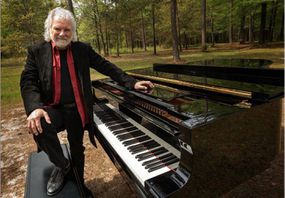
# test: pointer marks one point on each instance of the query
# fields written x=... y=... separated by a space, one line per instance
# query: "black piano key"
x=162 y=163
x=125 y=130
x=120 y=126
x=160 y=158
x=133 y=134
x=130 y=148
x=105 y=114
x=165 y=161
x=172 y=161
x=150 y=154
x=145 y=148
x=108 y=119
x=137 y=140
x=111 y=122
x=115 y=123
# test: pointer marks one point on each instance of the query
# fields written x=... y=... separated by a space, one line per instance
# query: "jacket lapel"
x=46 y=64
x=76 y=58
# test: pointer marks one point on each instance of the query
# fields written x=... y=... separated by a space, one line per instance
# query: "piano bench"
x=38 y=173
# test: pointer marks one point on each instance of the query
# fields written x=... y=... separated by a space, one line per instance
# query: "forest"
x=114 y=27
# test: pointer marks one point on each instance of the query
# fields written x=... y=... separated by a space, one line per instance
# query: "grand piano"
x=202 y=131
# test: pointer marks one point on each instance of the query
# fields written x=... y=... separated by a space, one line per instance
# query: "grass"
x=11 y=68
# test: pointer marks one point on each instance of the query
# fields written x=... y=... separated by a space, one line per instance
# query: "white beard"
x=61 y=43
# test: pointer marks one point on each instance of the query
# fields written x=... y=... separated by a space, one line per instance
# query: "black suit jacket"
x=36 y=78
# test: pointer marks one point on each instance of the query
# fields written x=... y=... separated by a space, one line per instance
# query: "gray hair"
x=59 y=13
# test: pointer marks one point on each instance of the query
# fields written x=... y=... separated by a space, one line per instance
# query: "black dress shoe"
x=56 y=180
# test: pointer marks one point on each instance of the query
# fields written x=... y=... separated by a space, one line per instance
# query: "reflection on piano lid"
x=201 y=131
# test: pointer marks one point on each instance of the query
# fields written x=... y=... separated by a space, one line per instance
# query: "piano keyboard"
x=145 y=154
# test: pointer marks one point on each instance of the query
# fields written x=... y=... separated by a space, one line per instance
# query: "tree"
x=143 y=31
x=230 y=21
x=153 y=27
x=70 y=6
x=251 y=28
x=173 y=10
x=274 y=7
x=203 y=25
x=262 y=33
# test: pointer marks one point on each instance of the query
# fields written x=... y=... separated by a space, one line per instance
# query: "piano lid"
x=201 y=94
x=228 y=89
x=263 y=81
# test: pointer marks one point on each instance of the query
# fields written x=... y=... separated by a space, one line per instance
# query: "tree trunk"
x=242 y=29
x=185 y=40
x=281 y=34
x=203 y=25
x=153 y=28
x=212 y=31
x=96 y=32
x=143 y=32
x=70 y=6
x=126 y=38
x=173 y=9
x=106 y=29
x=118 y=44
x=107 y=43
x=251 y=29
x=131 y=33
x=117 y=32
x=262 y=23
x=231 y=22
x=272 y=20
x=71 y=9
x=100 y=28
x=179 y=32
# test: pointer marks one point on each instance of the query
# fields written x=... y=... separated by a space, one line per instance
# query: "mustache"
x=61 y=38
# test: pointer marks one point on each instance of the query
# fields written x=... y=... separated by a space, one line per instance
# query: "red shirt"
x=74 y=82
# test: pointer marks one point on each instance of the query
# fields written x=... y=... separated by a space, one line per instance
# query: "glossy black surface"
x=234 y=62
x=226 y=79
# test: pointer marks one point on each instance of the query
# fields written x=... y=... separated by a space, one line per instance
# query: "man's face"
x=61 y=33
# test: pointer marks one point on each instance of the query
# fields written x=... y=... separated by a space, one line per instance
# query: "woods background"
x=113 y=27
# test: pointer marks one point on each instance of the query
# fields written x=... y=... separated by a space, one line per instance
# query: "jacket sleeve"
x=109 y=69
x=30 y=85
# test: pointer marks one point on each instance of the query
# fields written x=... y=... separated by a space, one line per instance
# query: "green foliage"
x=22 y=24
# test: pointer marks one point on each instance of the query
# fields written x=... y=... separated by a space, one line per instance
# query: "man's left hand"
x=143 y=85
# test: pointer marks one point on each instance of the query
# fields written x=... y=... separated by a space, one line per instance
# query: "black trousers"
x=63 y=118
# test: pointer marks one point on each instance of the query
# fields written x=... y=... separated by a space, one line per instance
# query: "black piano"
x=202 y=131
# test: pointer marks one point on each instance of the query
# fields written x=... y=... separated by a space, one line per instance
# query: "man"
x=56 y=91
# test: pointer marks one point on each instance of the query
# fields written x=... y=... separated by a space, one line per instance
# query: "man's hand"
x=34 y=121
x=143 y=85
